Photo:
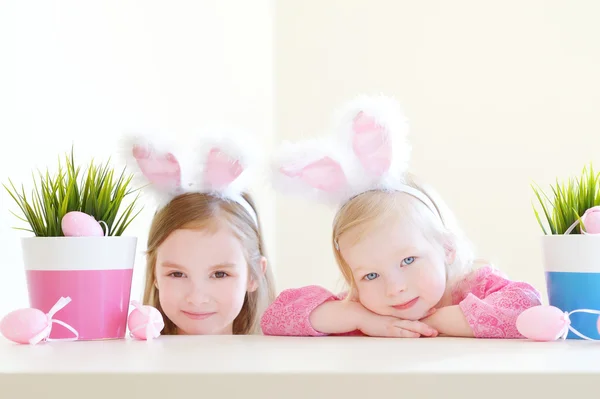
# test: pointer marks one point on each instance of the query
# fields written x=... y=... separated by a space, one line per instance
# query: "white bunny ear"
x=369 y=151
x=311 y=169
x=376 y=131
x=228 y=160
x=223 y=162
x=153 y=163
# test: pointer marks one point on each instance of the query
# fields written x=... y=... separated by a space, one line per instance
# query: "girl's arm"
x=314 y=311
x=337 y=317
x=290 y=313
x=450 y=321
x=489 y=309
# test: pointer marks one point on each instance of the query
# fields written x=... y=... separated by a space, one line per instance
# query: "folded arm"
x=290 y=313
x=490 y=308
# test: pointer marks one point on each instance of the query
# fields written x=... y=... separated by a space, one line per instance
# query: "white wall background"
x=498 y=93
x=82 y=73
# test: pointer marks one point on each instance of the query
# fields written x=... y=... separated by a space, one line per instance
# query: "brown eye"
x=176 y=274
x=220 y=274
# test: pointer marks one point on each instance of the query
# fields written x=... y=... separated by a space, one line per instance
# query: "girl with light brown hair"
x=206 y=269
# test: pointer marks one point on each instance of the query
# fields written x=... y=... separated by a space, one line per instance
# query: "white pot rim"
x=571 y=253
x=79 y=253
x=590 y=237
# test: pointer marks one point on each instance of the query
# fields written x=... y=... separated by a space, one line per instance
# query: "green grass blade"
x=568 y=201
x=95 y=192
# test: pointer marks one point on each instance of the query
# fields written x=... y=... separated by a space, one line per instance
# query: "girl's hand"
x=449 y=321
x=375 y=325
x=339 y=317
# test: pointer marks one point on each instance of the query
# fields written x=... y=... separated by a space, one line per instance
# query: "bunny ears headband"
x=222 y=163
x=369 y=150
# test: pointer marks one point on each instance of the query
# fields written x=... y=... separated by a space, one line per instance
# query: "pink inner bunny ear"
x=162 y=170
x=221 y=169
x=371 y=144
x=324 y=174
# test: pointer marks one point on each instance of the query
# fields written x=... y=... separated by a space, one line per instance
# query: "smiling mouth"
x=198 y=315
x=406 y=305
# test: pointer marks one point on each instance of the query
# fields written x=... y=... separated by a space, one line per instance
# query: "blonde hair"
x=371 y=209
x=204 y=211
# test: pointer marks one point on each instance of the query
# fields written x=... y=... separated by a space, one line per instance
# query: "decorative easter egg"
x=23 y=324
x=592 y=220
x=543 y=323
x=79 y=224
x=145 y=319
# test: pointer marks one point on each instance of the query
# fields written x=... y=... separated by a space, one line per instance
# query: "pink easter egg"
x=542 y=323
x=23 y=324
x=140 y=317
x=592 y=220
x=79 y=224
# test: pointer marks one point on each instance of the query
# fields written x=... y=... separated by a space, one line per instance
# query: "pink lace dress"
x=490 y=302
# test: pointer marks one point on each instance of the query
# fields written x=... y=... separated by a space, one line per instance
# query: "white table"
x=173 y=367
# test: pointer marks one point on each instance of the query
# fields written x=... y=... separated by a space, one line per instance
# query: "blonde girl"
x=409 y=269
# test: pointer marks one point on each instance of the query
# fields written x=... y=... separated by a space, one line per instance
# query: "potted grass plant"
x=568 y=217
x=78 y=249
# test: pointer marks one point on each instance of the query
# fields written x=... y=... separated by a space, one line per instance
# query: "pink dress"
x=489 y=301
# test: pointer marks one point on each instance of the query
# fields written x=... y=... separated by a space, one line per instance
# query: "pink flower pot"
x=95 y=272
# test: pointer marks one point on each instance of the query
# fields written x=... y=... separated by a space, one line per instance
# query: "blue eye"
x=371 y=276
x=408 y=261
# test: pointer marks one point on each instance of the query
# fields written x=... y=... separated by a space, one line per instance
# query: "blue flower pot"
x=572 y=270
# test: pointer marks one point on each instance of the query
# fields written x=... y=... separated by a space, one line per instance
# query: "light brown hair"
x=206 y=212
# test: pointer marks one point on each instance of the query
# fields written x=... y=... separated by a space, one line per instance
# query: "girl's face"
x=398 y=272
x=202 y=279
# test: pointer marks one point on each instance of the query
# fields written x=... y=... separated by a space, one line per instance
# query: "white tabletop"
x=289 y=367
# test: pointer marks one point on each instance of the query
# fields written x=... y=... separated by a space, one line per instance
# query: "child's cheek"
x=431 y=284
